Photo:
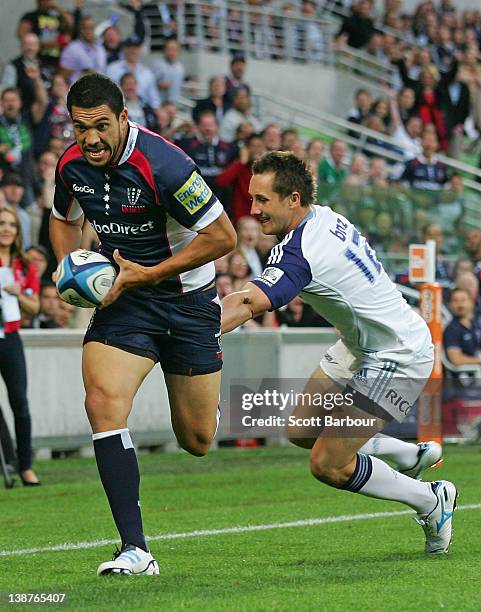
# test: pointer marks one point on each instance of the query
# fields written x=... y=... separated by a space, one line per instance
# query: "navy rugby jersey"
x=149 y=205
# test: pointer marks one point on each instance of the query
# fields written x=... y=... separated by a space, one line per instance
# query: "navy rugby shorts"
x=181 y=333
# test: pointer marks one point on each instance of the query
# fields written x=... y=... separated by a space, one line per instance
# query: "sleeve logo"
x=271 y=276
x=194 y=193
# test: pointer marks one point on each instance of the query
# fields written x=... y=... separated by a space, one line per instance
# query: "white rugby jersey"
x=331 y=265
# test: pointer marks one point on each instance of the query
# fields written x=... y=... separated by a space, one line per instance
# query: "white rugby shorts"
x=380 y=384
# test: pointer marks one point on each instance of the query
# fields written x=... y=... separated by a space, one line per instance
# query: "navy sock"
x=362 y=473
x=119 y=473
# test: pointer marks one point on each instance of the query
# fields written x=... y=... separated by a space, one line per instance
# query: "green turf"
x=372 y=564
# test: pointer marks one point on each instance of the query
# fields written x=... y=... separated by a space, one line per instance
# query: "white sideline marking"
x=213 y=532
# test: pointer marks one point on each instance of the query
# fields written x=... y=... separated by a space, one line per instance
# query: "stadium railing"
x=235 y=27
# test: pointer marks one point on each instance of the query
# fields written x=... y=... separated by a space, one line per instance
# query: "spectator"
x=454 y=101
x=49 y=302
x=470 y=283
x=112 y=40
x=169 y=72
x=289 y=139
x=146 y=87
x=271 y=136
x=426 y=171
x=315 y=150
x=139 y=111
x=332 y=170
x=470 y=74
x=223 y=284
x=311 y=36
x=238 y=175
x=378 y=173
x=47 y=23
x=462 y=337
x=211 y=154
x=299 y=314
x=16 y=138
x=214 y=103
x=39 y=256
x=239 y=113
x=56 y=121
x=314 y=154
x=427 y=97
x=248 y=233
x=235 y=80
x=357 y=29
x=442 y=52
x=472 y=246
x=83 y=54
x=380 y=108
x=20 y=289
x=239 y=269
x=375 y=123
x=13 y=190
x=463 y=264
x=44 y=199
x=407 y=135
x=55 y=146
x=406 y=104
x=449 y=210
x=360 y=112
x=64 y=315
x=358 y=171
x=18 y=72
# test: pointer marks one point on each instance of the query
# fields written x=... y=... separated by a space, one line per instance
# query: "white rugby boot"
x=438 y=524
x=429 y=454
x=129 y=561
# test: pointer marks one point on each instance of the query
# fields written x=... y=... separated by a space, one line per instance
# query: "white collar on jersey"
x=130 y=144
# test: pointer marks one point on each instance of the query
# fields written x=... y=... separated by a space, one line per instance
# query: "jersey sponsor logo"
x=271 y=276
x=122 y=228
x=83 y=188
x=194 y=193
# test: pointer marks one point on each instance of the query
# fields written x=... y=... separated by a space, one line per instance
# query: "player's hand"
x=13 y=289
x=130 y=275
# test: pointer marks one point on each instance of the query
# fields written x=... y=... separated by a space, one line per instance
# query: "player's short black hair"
x=93 y=90
x=291 y=174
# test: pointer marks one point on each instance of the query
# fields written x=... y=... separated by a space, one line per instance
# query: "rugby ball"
x=84 y=278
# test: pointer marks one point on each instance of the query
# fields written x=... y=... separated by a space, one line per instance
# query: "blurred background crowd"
x=387 y=172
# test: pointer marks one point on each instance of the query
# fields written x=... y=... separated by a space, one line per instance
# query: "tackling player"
x=384 y=356
x=162 y=226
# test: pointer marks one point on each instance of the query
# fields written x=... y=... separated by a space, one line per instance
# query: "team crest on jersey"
x=133 y=195
x=271 y=276
x=194 y=193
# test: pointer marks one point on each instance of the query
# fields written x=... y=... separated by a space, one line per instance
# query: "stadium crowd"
x=436 y=55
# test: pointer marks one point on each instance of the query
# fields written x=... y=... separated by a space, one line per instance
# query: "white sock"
x=374 y=478
x=217 y=421
x=403 y=454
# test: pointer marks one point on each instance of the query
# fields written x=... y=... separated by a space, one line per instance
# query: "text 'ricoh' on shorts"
x=380 y=386
x=182 y=334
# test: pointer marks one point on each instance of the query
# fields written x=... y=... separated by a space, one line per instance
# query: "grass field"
x=370 y=563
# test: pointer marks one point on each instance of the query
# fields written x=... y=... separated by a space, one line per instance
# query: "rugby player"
x=382 y=360
x=162 y=226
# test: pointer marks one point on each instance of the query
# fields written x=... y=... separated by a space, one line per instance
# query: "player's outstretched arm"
x=211 y=242
x=65 y=236
x=241 y=306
